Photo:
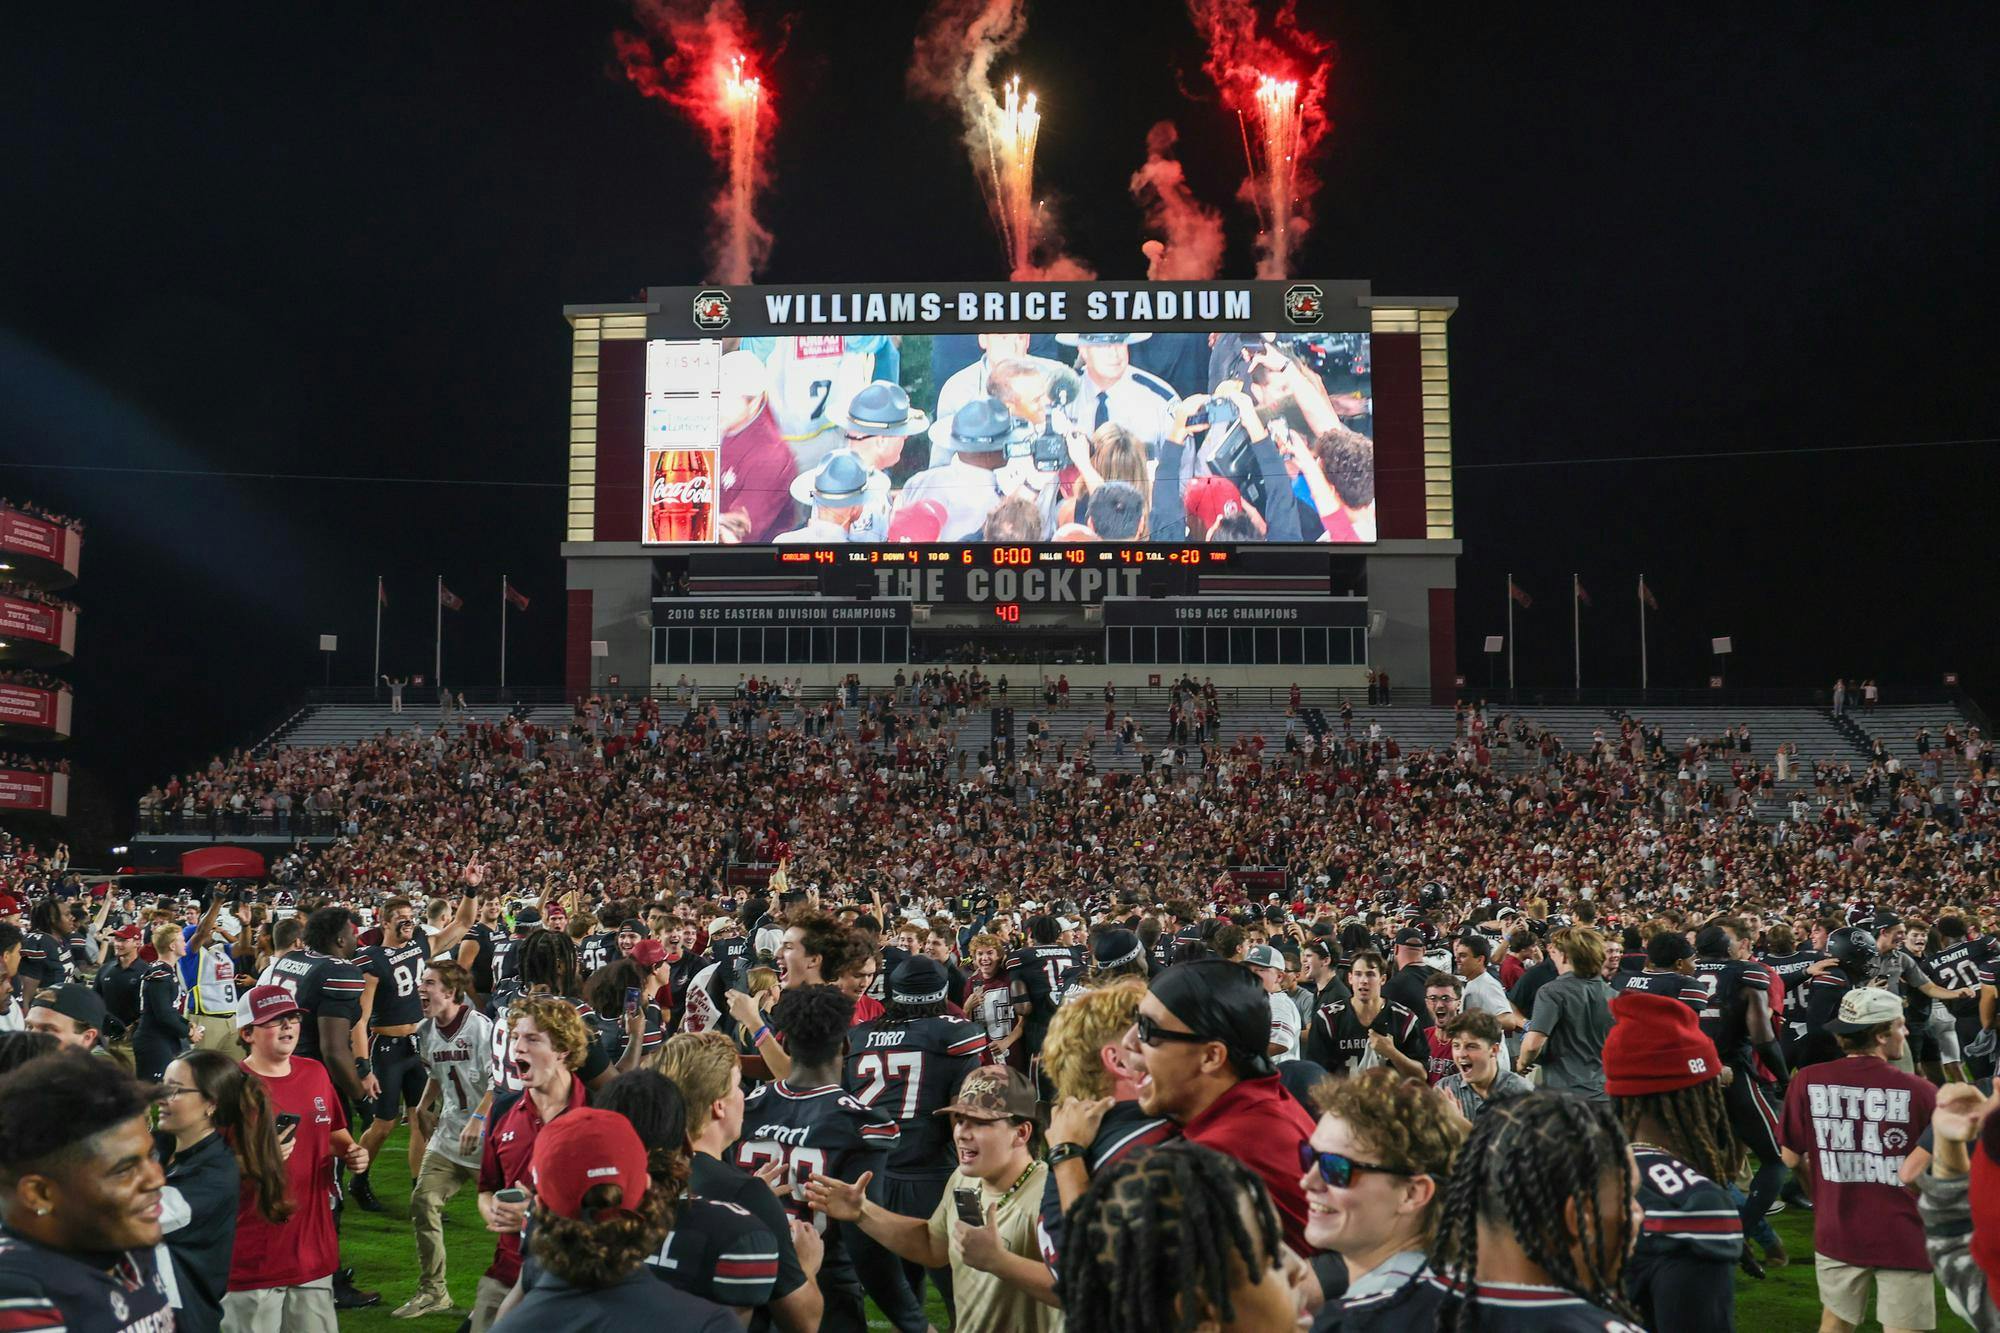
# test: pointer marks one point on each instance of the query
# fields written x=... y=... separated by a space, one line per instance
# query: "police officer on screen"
x=840 y=491
x=1115 y=390
x=973 y=478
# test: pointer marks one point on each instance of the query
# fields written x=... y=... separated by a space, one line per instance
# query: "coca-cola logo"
x=695 y=490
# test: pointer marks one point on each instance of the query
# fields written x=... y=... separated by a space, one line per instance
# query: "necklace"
x=1019 y=1181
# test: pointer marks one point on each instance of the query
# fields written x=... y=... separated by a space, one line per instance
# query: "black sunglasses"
x=1335 y=1169
x=1152 y=1034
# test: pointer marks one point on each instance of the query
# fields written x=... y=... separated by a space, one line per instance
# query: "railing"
x=220 y=824
x=1723 y=698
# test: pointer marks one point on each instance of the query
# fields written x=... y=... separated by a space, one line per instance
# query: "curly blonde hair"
x=1083 y=1026
x=558 y=1021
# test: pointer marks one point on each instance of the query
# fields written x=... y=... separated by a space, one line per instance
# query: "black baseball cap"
x=75 y=1001
x=1409 y=937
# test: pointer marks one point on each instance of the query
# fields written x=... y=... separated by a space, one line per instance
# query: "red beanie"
x=1656 y=1045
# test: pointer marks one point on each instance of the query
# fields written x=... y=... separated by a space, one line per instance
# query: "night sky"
x=337 y=243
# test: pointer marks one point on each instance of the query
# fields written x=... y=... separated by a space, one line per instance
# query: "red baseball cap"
x=129 y=931
x=1656 y=1045
x=1208 y=499
x=265 y=1004
x=9 y=905
x=921 y=521
x=582 y=1149
x=649 y=953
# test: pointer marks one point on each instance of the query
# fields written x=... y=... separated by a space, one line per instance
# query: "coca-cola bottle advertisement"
x=682 y=487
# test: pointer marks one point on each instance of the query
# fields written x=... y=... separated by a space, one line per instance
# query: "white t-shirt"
x=1284 y=1026
x=1487 y=996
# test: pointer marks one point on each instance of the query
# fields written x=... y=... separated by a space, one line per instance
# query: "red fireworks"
x=1272 y=74
x=709 y=72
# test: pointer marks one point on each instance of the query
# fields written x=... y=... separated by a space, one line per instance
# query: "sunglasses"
x=1152 y=1034
x=1335 y=1169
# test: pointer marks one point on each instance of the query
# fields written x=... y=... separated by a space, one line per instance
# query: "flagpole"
x=1510 y=634
x=438 y=665
x=1576 y=625
x=375 y=681
x=503 y=632
x=1642 y=632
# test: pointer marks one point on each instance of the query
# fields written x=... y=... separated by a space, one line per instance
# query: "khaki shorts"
x=307 y=1309
x=1904 y=1297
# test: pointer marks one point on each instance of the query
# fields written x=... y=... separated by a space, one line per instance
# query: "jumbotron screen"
x=1015 y=435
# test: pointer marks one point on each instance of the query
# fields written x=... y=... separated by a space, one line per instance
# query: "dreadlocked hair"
x=1523 y=1161
x=1161 y=1237
x=1697 y=1123
x=548 y=958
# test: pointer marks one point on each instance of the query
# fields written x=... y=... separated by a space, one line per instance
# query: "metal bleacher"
x=346 y=724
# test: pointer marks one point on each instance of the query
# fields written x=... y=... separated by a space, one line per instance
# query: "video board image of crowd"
x=1010 y=437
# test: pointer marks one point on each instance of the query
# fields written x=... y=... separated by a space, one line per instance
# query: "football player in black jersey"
x=908 y=1063
x=706 y=1068
x=327 y=986
x=80 y=1191
x=1035 y=974
x=806 y=1125
x=383 y=1037
x=1852 y=949
x=1736 y=1018
x=1663 y=1075
x=1960 y=962
x=1669 y=970
x=601 y=946
x=1793 y=966
x=45 y=958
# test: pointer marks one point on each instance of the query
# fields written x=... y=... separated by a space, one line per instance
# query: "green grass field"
x=385 y=1259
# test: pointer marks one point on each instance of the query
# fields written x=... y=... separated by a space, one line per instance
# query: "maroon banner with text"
x=37 y=622
x=47 y=793
x=31 y=706
x=24 y=534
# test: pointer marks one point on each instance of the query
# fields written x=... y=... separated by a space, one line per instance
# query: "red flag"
x=450 y=600
x=1646 y=595
x=515 y=597
x=381 y=592
x=1581 y=595
x=1519 y=594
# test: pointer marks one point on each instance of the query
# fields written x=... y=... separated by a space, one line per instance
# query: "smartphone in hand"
x=631 y=1001
x=969 y=1210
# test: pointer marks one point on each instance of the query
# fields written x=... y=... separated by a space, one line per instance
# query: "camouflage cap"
x=994 y=1092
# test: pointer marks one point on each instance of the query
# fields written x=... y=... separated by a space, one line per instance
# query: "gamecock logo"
x=711 y=310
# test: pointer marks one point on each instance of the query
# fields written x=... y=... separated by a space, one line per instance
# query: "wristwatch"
x=1062 y=1152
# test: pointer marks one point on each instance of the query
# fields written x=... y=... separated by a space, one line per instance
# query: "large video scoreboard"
x=1049 y=445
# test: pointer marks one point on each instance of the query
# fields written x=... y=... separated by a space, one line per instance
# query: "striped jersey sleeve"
x=720 y=1252
x=1687 y=1214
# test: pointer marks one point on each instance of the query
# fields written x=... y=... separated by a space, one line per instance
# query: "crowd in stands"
x=31 y=763
x=1522 y=965
x=42 y=512
x=22 y=593
x=39 y=680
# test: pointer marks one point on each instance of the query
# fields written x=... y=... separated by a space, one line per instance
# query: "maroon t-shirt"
x=304 y=1247
x=1261 y=1125
x=1854 y=1120
x=504 y=1160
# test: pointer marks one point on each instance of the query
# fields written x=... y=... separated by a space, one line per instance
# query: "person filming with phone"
x=281 y=1273
x=984 y=1226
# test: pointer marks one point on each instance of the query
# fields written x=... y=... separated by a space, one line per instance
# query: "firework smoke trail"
x=709 y=73
x=957 y=46
x=1272 y=74
x=1192 y=250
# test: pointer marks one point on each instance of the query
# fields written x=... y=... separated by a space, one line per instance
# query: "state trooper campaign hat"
x=882 y=408
x=843 y=479
x=984 y=426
